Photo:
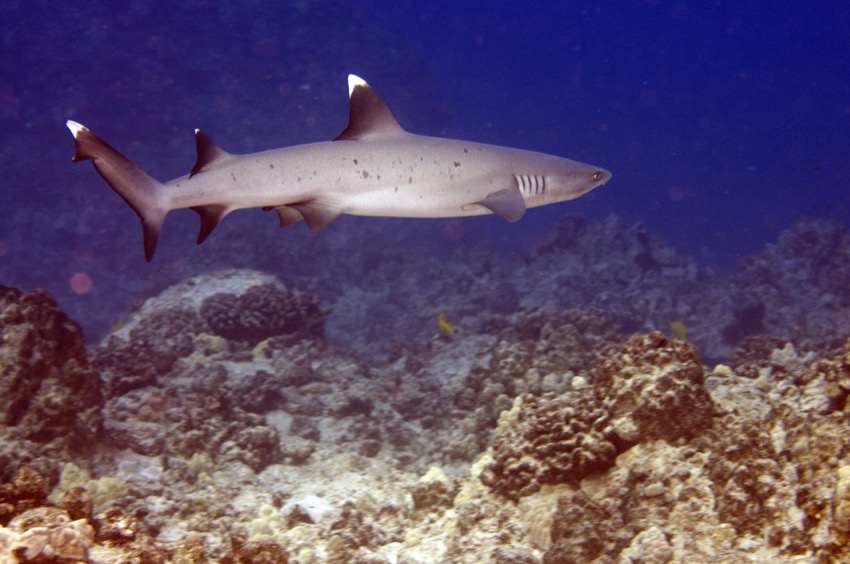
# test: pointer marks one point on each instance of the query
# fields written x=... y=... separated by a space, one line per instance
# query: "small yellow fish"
x=117 y=324
x=679 y=330
x=446 y=327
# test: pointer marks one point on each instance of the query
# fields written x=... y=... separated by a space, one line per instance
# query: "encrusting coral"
x=149 y=350
x=32 y=529
x=836 y=374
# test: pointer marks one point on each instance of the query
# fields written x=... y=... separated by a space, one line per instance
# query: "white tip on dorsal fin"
x=75 y=127
x=353 y=82
x=369 y=118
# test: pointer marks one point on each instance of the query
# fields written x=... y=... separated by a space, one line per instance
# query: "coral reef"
x=795 y=289
x=759 y=472
x=642 y=283
x=152 y=365
x=651 y=387
x=654 y=387
x=836 y=374
x=797 y=286
x=41 y=532
x=522 y=435
x=148 y=347
x=25 y=491
x=151 y=349
x=214 y=426
x=47 y=533
x=50 y=398
x=550 y=440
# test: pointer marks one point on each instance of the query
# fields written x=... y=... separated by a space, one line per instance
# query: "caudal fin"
x=140 y=191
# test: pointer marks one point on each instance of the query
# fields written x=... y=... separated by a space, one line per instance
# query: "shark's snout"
x=600 y=177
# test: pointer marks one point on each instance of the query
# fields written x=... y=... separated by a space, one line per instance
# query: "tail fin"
x=140 y=191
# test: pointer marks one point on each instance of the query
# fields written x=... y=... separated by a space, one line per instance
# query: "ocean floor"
x=597 y=399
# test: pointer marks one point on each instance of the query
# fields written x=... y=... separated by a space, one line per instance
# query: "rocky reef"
x=219 y=423
x=50 y=398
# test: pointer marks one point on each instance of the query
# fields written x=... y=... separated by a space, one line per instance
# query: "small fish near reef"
x=373 y=168
x=445 y=326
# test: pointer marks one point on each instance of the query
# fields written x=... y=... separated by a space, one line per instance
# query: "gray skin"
x=374 y=168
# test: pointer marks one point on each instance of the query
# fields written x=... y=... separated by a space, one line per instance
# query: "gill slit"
x=530 y=184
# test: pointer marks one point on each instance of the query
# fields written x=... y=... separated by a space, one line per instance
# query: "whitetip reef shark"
x=373 y=168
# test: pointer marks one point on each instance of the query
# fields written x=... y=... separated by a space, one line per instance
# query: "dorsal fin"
x=209 y=154
x=368 y=116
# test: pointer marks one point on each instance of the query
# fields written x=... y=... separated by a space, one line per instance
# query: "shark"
x=373 y=168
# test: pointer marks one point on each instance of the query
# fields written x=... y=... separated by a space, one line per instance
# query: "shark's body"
x=374 y=168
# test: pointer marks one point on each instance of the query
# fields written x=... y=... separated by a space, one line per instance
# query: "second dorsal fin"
x=369 y=117
x=209 y=154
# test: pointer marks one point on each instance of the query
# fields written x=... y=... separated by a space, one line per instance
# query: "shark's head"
x=559 y=180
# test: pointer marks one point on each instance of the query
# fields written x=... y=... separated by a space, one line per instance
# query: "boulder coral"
x=263 y=311
x=654 y=388
x=651 y=387
x=47 y=534
x=550 y=440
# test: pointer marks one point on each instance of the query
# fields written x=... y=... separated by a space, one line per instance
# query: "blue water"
x=721 y=121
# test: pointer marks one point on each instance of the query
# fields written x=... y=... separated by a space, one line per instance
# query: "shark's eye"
x=596 y=175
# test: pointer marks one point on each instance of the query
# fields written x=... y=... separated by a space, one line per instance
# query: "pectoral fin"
x=507 y=204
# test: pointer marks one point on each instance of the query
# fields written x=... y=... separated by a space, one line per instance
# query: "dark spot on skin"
x=466 y=150
x=457 y=164
x=365 y=174
x=396 y=189
x=355 y=161
x=410 y=180
x=379 y=177
x=233 y=176
x=299 y=179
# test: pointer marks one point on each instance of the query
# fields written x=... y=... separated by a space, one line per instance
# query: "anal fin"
x=317 y=215
x=288 y=215
x=211 y=215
